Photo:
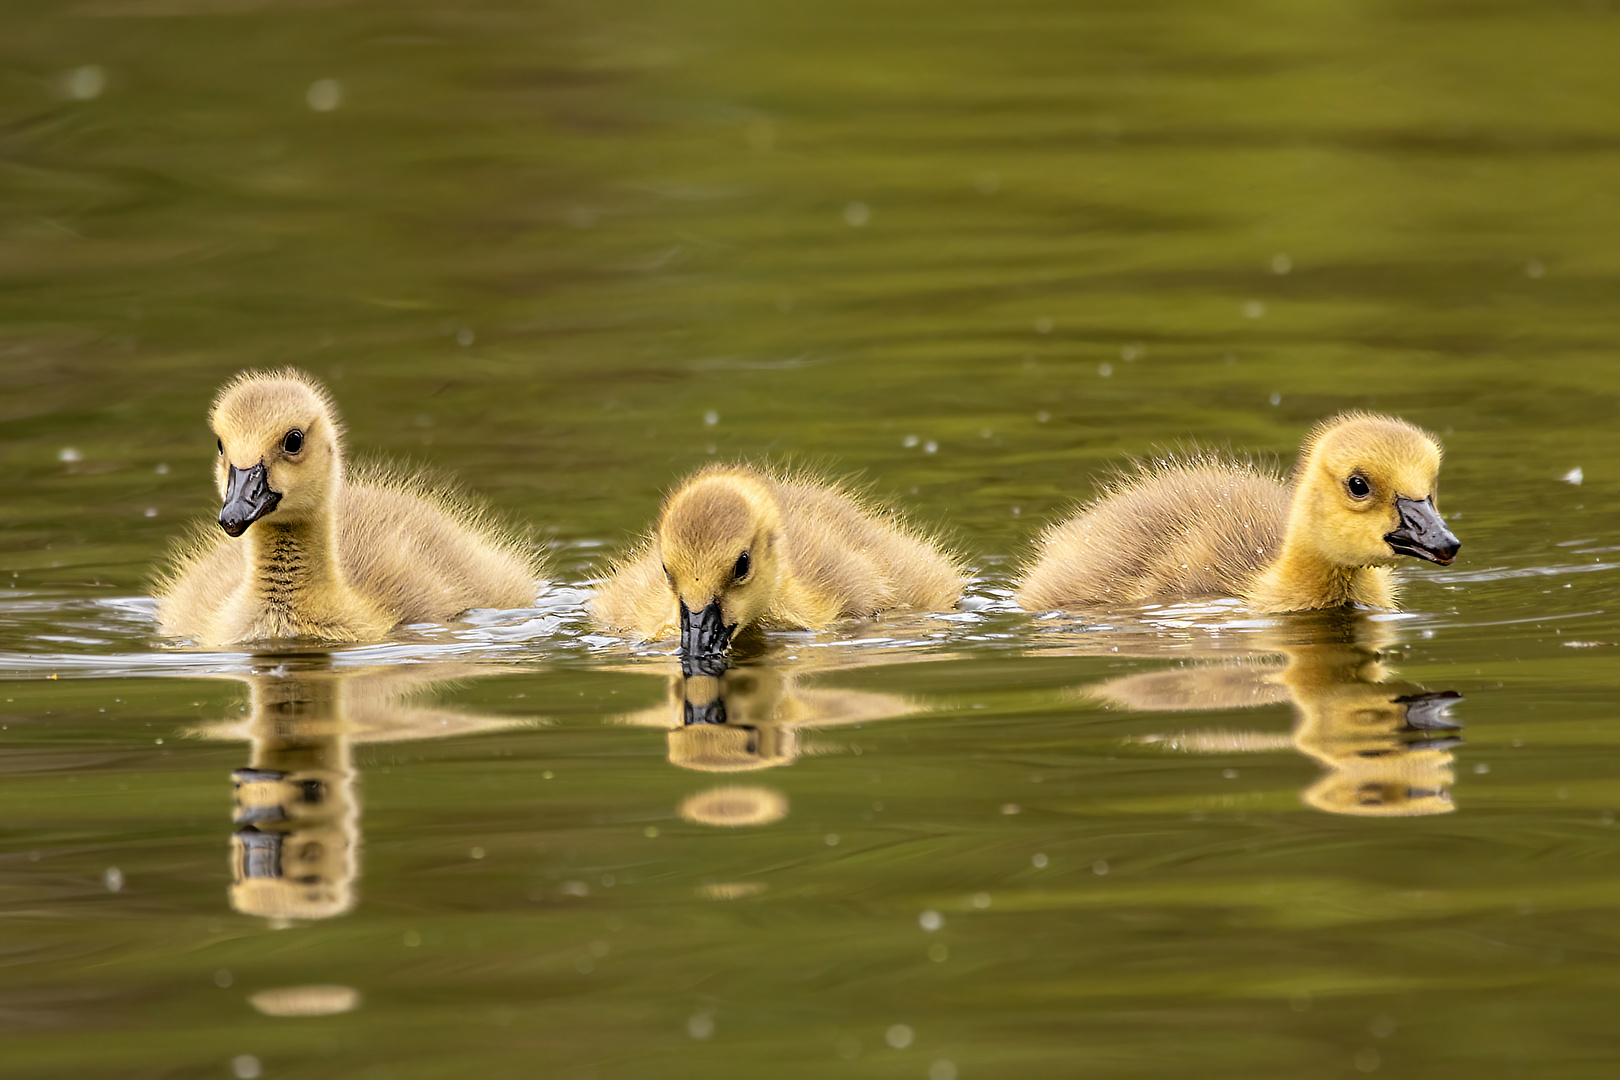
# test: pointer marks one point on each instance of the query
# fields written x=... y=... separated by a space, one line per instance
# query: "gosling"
x=1361 y=495
x=310 y=552
x=735 y=546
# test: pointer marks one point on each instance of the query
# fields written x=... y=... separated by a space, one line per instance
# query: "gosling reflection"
x=1384 y=744
x=755 y=717
x=295 y=852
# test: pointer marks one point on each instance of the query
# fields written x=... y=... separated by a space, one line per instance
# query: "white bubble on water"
x=1574 y=476
x=246 y=1067
x=909 y=441
x=857 y=215
x=711 y=418
x=114 y=878
x=1253 y=309
x=465 y=336
x=1105 y=370
x=930 y=447
x=1535 y=269
x=898 y=1036
x=700 y=1025
x=931 y=921
x=1276 y=399
x=69 y=455
x=324 y=95
x=85 y=83
x=942 y=1070
x=1039 y=860
x=1281 y=264
x=1043 y=325
x=981 y=900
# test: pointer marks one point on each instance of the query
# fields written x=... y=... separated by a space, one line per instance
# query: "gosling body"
x=1361 y=495
x=311 y=551
x=736 y=546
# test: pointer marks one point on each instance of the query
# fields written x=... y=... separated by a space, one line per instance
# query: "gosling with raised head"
x=311 y=552
x=1361 y=495
x=735 y=546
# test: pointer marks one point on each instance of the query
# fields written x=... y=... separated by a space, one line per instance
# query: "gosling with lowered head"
x=736 y=546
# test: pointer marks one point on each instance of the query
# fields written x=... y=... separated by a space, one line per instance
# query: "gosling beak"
x=1422 y=534
x=247 y=499
x=704 y=640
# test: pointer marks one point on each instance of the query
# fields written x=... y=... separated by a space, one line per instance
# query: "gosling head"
x=1366 y=485
x=720 y=538
x=279 y=448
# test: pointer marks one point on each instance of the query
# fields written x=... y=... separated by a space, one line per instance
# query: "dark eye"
x=1358 y=486
x=221 y=444
x=293 y=441
x=740 y=571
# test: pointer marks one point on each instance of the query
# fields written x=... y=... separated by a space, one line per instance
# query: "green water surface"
x=971 y=253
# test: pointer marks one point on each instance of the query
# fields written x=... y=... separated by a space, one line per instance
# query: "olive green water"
x=973 y=253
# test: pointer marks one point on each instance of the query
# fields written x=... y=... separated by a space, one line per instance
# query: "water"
x=972 y=256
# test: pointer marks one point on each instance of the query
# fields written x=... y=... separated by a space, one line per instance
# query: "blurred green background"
x=972 y=253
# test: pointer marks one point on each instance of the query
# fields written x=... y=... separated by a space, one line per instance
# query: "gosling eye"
x=744 y=564
x=1358 y=487
x=221 y=444
x=293 y=441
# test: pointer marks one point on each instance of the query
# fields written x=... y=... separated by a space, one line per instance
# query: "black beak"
x=704 y=640
x=1422 y=534
x=247 y=499
x=704 y=701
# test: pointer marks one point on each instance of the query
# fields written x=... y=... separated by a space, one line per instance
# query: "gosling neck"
x=1302 y=579
x=295 y=563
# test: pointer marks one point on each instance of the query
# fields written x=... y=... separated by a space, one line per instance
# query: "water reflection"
x=295 y=852
x=755 y=716
x=1384 y=744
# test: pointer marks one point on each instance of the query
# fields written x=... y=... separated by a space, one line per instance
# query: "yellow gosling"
x=1361 y=495
x=312 y=552
x=735 y=546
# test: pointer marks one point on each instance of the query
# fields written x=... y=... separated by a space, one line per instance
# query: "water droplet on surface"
x=711 y=418
x=245 y=1067
x=1253 y=309
x=898 y=1036
x=114 y=879
x=942 y=1070
x=1276 y=399
x=1100 y=867
x=465 y=336
x=1105 y=370
x=324 y=95
x=931 y=921
x=700 y=1025
x=1039 y=860
x=85 y=83
x=980 y=900
x=930 y=447
x=69 y=454
x=476 y=853
x=857 y=215
x=223 y=978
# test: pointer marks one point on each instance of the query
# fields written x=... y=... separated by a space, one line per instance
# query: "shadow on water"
x=1384 y=744
x=295 y=854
